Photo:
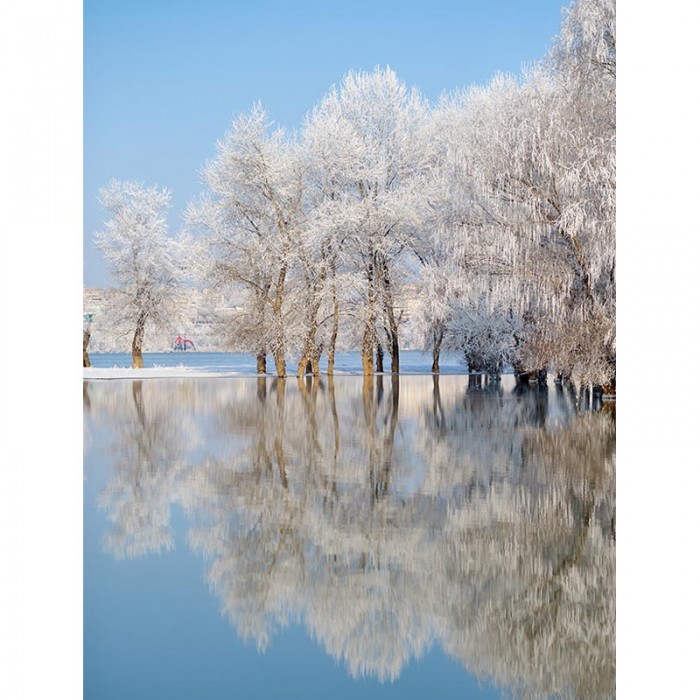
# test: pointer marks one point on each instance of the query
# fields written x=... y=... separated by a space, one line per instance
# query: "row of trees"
x=494 y=210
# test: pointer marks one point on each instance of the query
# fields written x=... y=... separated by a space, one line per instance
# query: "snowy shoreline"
x=154 y=373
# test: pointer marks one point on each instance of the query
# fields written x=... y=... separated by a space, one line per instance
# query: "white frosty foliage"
x=367 y=170
x=146 y=264
x=485 y=223
x=524 y=203
x=252 y=216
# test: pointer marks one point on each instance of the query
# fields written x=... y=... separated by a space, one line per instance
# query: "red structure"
x=181 y=344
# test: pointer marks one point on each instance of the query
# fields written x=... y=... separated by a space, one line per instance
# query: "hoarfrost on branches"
x=484 y=224
x=147 y=265
x=252 y=213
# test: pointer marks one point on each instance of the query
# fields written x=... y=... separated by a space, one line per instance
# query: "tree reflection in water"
x=472 y=515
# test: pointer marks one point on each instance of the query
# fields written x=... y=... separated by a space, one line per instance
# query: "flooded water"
x=412 y=362
x=411 y=537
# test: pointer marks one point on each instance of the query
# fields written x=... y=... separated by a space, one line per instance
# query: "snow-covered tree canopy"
x=146 y=264
x=485 y=223
x=366 y=163
x=252 y=215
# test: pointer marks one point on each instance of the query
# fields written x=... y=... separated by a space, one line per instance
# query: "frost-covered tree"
x=362 y=137
x=323 y=265
x=253 y=215
x=492 y=213
x=528 y=204
x=144 y=261
x=460 y=305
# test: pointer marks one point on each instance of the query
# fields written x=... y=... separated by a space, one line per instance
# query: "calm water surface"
x=393 y=538
x=412 y=362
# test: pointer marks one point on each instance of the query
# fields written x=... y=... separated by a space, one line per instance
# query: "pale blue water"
x=412 y=362
x=414 y=538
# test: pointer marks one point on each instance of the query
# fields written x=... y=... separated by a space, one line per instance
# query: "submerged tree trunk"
x=261 y=362
x=262 y=389
x=86 y=342
x=136 y=346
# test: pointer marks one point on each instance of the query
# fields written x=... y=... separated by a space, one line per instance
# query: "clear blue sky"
x=164 y=78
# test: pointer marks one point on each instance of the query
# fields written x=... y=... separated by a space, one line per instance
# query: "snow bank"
x=152 y=372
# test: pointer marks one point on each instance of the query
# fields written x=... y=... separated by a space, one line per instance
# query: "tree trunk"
x=369 y=338
x=393 y=329
x=368 y=351
x=395 y=356
x=278 y=353
x=136 y=351
x=380 y=358
x=261 y=362
x=334 y=334
x=438 y=333
x=475 y=382
x=315 y=361
x=394 y=347
x=86 y=342
x=310 y=348
x=280 y=365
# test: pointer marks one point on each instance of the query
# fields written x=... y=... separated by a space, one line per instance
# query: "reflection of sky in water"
x=422 y=535
x=154 y=630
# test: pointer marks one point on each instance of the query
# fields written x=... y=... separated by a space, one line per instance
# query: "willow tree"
x=143 y=260
x=529 y=166
x=362 y=137
x=252 y=213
